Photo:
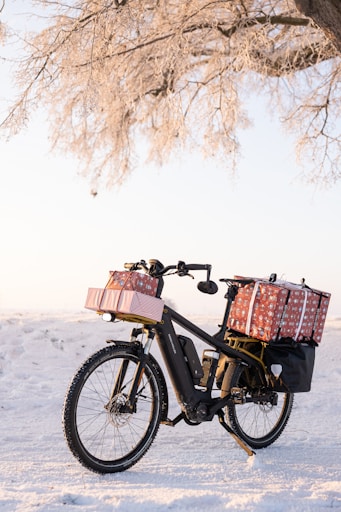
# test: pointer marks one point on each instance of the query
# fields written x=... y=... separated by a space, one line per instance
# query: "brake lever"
x=184 y=273
x=182 y=270
x=144 y=265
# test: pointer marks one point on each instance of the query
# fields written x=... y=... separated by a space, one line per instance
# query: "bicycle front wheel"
x=262 y=418
x=101 y=430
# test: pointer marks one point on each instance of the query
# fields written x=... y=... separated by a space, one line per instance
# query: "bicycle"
x=118 y=398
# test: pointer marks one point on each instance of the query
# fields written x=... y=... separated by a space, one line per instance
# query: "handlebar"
x=157 y=269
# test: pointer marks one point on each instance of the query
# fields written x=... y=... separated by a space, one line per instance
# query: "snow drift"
x=187 y=468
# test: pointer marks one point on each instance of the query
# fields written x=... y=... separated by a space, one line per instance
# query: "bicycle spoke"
x=104 y=428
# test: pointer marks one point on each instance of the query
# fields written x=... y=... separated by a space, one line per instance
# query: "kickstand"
x=235 y=437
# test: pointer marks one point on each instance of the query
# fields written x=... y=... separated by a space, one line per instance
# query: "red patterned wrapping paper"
x=257 y=310
x=134 y=281
x=321 y=316
x=269 y=311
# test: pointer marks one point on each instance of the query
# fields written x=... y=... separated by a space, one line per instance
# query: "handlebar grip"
x=198 y=266
x=140 y=265
x=193 y=266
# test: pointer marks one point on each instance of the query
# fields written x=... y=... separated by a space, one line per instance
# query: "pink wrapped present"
x=269 y=311
x=126 y=304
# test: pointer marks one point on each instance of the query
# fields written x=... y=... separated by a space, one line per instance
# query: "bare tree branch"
x=177 y=73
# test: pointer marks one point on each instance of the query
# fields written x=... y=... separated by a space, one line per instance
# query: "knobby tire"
x=258 y=424
x=100 y=432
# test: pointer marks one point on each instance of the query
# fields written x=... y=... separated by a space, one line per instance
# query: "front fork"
x=130 y=397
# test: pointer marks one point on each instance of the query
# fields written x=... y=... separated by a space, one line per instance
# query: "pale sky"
x=57 y=240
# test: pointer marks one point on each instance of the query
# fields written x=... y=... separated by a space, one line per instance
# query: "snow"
x=187 y=468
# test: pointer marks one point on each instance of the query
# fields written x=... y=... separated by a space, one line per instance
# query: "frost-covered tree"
x=326 y=14
x=178 y=75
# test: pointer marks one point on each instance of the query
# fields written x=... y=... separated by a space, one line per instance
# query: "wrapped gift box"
x=126 y=304
x=137 y=281
x=270 y=311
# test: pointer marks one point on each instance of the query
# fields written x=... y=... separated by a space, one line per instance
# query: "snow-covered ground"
x=187 y=468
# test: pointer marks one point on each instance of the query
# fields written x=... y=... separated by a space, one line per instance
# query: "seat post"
x=230 y=295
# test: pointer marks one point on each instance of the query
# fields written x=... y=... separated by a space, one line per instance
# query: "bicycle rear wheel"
x=100 y=429
x=262 y=418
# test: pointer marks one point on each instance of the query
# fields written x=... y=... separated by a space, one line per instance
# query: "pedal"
x=172 y=423
x=238 y=395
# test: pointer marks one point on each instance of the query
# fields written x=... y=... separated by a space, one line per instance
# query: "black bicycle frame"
x=188 y=396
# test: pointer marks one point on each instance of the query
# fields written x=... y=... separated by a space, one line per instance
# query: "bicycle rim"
x=99 y=429
x=258 y=424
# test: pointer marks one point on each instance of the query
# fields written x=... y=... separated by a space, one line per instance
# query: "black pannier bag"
x=290 y=365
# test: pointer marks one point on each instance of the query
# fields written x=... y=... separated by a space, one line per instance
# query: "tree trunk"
x=326 y=14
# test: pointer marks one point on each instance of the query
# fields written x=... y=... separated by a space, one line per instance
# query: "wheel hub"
x=117 y=411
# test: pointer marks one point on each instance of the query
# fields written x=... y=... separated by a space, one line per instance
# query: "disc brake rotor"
x=118 y=415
